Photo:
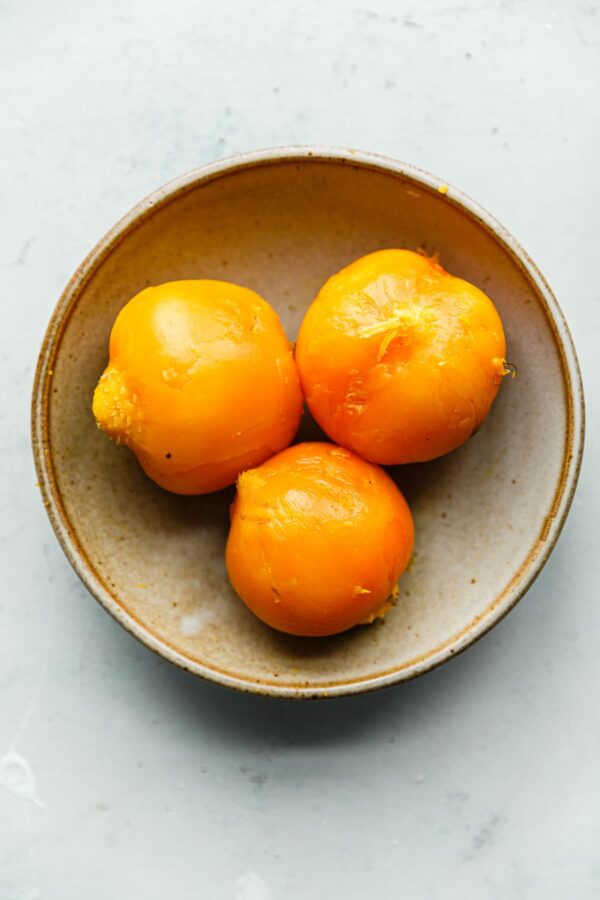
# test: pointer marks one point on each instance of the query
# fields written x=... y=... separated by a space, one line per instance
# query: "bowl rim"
x=557 y=512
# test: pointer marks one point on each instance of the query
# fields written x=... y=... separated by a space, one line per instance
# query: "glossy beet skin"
x=318 y=540
x=399 y=360
x=201 y=384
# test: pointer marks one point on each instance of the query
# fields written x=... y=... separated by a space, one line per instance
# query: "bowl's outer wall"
x=486 y=516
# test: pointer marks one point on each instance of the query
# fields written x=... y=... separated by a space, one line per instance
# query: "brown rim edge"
x=541 y=547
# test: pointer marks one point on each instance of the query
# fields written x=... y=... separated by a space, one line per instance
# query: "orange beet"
x=201 y=384
x=399 y=360
x=318 y=540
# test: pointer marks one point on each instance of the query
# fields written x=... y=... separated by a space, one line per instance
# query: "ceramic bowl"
x=486 y=516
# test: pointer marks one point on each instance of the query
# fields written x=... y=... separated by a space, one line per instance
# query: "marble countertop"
x=122 y=777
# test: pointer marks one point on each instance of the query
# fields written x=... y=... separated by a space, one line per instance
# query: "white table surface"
x=480 y=780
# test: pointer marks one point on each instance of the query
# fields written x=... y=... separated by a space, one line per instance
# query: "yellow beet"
x=399 y=360
x=201 y=384
x=318 y=540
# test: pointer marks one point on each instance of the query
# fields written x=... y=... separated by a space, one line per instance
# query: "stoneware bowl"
x=487 y=516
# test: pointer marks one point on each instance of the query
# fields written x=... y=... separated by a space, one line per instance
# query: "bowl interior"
x=156 y=560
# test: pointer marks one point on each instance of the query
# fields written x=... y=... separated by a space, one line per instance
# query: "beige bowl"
x=487 y=516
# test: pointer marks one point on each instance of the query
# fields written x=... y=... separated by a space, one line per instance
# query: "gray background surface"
x=480 y=780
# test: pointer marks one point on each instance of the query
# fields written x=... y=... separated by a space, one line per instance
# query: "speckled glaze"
x=487 y=516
